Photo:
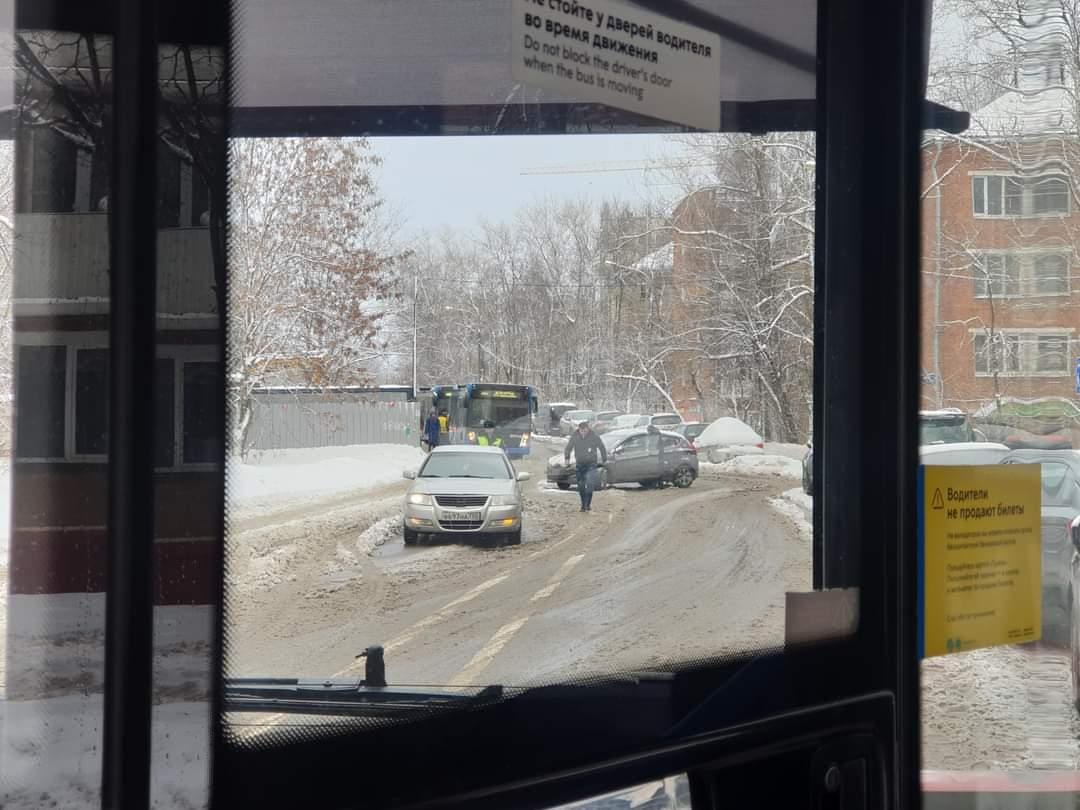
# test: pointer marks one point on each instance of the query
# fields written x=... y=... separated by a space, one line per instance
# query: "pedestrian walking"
x=431 y=430
x=585 y=447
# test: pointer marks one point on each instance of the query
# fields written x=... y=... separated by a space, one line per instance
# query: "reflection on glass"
x=54 y=573
x=1000 y=349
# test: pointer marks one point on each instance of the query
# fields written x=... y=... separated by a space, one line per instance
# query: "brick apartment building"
x=1001 y=305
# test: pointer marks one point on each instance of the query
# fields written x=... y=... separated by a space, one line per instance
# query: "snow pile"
x=798 y=507
x=727 y=430
x=51 y=750
x=756 y=465
x=800 y=499
x=999 y=709
x=278 y=477
x=57 y=645
x=795 y=451
x=543 y=438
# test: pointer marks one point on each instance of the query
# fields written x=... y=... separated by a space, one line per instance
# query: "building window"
x=1002 y=196
x=91 y=402
x=1052 y=353
x=201 y=435
x=997 y=275
x=62 y=397
x=1021 y=354
x=168 y=188
x=47 y=177
x=1050 y=273
x=1009 y=275
x=997 y=354
x=40 y=383
x=1050 y=196
x=165 y=412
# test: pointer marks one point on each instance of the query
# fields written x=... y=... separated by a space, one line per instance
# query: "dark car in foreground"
x=648 y=457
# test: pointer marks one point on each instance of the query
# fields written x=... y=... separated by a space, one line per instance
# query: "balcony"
x=62 y=267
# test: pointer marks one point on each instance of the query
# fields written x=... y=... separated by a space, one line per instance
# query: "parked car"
x=647 y=457
x=555 y=414
x=461 y=491
x=962 y=453
x=628 y=420
x=663 y=420
x=1019 y=439
x=604 y=420
x=691 y=430
x=1060 y=507
x=946 y=426
x=727 y=437
x=571 y=419
x=932 y=454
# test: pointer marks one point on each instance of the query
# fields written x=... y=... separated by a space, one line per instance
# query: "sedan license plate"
x=473 y=516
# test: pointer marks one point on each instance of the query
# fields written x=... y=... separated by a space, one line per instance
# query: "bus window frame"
x=858 y=229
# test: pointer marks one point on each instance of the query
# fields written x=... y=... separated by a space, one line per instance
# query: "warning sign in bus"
x=980 y=557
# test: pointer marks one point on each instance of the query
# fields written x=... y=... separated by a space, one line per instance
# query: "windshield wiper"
x=367 y=697
x=472 y=476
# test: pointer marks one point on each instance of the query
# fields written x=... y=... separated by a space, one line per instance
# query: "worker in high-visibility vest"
x=488 y=437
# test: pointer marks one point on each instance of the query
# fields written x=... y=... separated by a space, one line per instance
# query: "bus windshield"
x=505 y=413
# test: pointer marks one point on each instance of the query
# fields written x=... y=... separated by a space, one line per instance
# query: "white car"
x=464 y=490
x=571 y=420
x=962 y=453
x=728 y=437
x=627 y=421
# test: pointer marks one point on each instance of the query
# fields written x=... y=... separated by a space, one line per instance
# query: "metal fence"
x=291 y=420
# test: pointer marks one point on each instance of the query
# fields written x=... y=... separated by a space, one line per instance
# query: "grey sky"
x=454 y=181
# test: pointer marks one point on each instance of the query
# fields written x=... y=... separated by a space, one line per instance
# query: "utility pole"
x=415 y=295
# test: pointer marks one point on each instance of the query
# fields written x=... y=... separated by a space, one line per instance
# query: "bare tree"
x=746 y=231
x=310 y=266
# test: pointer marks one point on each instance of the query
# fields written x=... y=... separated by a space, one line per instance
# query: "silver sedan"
x=462 y=491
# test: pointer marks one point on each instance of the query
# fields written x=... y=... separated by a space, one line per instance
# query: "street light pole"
x=415 y=295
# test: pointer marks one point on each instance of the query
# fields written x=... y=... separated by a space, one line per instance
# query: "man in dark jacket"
x=585 y=445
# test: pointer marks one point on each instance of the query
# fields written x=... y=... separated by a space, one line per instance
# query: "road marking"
x=410 y=632
x=554 y=546
x=479 y=662
x=557 y=578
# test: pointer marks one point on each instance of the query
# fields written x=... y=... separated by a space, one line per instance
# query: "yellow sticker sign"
x=980 y=557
